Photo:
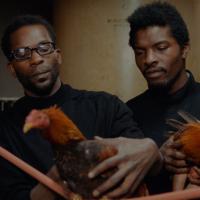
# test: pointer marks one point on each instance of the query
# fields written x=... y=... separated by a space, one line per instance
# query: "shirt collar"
x=178 y=95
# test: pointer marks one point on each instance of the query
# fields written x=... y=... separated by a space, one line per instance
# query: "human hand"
x=174 y=159
x=194 y=176
x=133 y=160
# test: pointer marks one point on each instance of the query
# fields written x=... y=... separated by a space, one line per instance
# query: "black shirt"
x=152 y=109
x=95 y=113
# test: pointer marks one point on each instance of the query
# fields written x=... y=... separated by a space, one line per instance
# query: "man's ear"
x=58 y=56
x=11 y=69
x=185 y=51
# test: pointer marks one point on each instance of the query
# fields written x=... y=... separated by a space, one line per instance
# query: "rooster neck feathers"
x=60 y=130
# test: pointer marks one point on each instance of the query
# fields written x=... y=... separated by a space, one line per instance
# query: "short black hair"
x=158 y=14
x=19 y=22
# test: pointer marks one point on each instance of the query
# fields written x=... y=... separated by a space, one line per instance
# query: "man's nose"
x=151 y=57
x=36 y=58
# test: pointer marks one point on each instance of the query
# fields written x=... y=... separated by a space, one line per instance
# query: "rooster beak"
x=27 y=127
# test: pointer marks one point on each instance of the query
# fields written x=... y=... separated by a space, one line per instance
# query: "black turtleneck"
x=95 y=113
x=151 y=110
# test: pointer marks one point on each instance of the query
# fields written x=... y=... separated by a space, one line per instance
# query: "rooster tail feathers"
x=188 y=117
x=176 y=124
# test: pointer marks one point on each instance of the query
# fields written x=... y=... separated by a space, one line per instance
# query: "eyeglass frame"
x=12 y=53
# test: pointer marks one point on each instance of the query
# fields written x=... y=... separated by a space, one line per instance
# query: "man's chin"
x=40 y=90
x=162 y=87
x=44 y=91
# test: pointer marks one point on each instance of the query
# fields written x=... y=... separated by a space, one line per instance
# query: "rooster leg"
x=179 y=181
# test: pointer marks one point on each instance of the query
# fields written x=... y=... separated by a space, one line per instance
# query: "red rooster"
x=188 y=135
x=75 y=156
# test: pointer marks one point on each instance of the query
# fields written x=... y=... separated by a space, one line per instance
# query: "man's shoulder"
x=139 y=99
x=194 y=85
x=98 y=100
x=197 y=84
x=91 y=95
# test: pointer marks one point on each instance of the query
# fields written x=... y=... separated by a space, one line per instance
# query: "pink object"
x=33 y=172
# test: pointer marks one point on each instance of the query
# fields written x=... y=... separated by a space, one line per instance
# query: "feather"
x=176 y=124
x=188 y=117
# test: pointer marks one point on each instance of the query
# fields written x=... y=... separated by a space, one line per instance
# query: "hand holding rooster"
x=182 y=147
x=126 y=160
x=134 y=159
x=194 y=176
x=174 y=159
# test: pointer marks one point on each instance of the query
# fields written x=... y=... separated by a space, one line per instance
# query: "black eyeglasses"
x=25 y=53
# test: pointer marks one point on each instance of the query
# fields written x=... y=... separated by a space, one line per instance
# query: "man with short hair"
x=29 y=43
x=160 y=41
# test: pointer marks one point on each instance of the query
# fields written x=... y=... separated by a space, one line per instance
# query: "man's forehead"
x=29 y=35
x=152 y=35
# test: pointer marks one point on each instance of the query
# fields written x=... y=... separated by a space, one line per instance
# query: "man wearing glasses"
x=25 y=53
x=29 y=44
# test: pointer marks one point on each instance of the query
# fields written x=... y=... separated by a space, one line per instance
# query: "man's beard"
x=165 y=87
x=33 y=88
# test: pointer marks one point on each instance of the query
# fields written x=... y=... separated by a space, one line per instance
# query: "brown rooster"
x=74 y=155
x=188 y=135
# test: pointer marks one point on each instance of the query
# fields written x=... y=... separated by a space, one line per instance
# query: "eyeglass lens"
x=25 y=52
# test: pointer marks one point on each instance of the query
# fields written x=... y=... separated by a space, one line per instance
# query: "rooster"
x=74 y=155
x=188 y=134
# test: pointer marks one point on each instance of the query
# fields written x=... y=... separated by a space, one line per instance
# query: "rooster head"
x=55 y=126
x=36 y=119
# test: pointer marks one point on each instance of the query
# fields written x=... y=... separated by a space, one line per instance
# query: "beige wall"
x=93 y=36
x=194 y=57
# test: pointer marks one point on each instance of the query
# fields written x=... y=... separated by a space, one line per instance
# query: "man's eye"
x=139 y=52
x=43 y=48
x=161 y=48
x=20 y=52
